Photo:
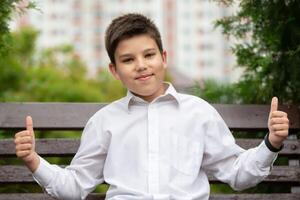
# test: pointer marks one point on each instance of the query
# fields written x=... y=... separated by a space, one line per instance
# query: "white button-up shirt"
x=159 y=150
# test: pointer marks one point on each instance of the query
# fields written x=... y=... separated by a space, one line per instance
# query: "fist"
x=25 y=142
x=278 y=125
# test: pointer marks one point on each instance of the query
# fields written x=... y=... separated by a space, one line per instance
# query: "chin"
x=145 y=94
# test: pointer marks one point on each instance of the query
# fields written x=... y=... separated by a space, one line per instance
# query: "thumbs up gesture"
x=278 y=125
x=25 y=145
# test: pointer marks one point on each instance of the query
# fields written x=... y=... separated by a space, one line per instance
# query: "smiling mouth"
x=144 y=77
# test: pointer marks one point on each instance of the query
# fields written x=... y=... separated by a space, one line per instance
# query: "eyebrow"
x=150 y=49
x=125 y=55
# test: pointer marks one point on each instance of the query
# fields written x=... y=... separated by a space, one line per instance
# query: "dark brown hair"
x=127 y=26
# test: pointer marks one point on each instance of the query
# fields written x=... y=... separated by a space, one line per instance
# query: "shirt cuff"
x=265 y=157
x=270 y=146
x=44 y=174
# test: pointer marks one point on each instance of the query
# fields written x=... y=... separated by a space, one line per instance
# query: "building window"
x=205 y=47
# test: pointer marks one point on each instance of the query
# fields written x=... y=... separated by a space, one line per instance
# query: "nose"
x=141 y=64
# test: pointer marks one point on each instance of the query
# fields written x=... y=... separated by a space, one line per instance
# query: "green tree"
x=215 y=92
x=54 y=74
x=7 y=8
x=268 y=48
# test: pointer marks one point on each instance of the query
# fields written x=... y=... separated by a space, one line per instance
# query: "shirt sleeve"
x=84 y=173
x=228 y=162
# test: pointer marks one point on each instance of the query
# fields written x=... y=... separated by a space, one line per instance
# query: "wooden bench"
x=73 y=116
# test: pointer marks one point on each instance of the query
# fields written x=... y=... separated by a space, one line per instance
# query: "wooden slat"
x=73 y=116
x=290 y=148
x=287 y=174
x=254 y=117
x=44 y=147
x=20 y=174
x=274 y=196
x=49 y=116
x=68 y=147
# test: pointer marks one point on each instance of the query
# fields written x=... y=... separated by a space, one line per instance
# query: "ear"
x=113 y=71
x=164 y=57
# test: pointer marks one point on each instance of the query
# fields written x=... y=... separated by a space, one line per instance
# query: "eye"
x=127 y=60
x=149 y=55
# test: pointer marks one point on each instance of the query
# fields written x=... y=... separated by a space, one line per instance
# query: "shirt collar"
x=170 y=94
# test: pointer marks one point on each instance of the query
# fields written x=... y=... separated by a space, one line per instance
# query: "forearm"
x=57 y=182
x=73 y=182
x=252 y=167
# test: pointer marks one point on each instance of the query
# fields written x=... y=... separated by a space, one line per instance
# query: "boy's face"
x=140 y=66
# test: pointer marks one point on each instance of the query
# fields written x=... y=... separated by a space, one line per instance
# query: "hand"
x=278 y=125
x=25 y=145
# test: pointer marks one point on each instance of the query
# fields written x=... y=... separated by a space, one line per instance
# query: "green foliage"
x=55 y=74
x=214 y=92
x=268 y=49
x=7 y=8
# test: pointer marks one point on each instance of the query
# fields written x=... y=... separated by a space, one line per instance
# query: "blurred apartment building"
x=196 y=51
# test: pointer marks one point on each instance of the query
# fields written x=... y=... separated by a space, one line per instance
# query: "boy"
x=154 y=143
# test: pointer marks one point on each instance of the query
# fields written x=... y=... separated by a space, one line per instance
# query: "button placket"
x=153 y=150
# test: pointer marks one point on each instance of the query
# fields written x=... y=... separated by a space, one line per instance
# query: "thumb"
x=274 y=104
x=29 y=124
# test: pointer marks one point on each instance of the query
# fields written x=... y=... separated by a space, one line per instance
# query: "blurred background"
x=196 y=51
x=226 y=51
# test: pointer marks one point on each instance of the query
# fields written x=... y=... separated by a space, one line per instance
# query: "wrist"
x=32 y=162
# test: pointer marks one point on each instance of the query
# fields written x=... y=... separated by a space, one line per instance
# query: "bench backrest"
x=73 y=116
